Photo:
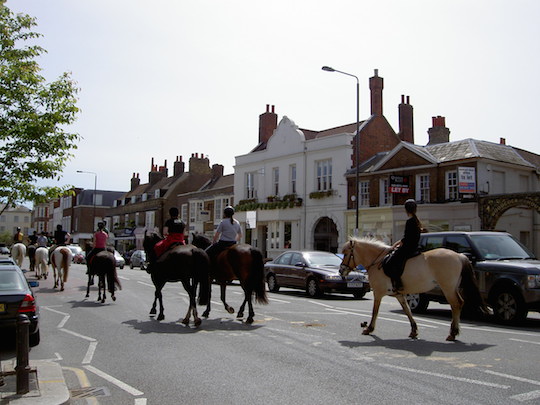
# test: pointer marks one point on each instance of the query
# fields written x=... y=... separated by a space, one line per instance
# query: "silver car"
x=138 y=259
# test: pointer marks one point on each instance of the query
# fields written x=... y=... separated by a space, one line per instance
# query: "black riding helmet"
x=410 y=206
x=228 y=211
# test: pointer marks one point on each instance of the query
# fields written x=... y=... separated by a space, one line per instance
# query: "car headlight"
x=533 y=281
x=333 y=277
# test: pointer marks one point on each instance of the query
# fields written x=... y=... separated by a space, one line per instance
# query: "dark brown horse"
x=239 y=262
x=185 y=263
x=103 y=265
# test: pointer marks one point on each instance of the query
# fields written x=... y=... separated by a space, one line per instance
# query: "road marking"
x=83 y=381
x=78 y=335
x=278 y=300
x=64 y=320
x=448 y=377
x=140 y=401
x=123 y=278
x=122 y=385
x=147 y=284
x=382 y=317
x=512 y=377
x=90 y=353
x=527 y=396
x=525 y=341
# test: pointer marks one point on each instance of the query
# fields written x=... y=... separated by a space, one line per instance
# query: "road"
x=298 y=351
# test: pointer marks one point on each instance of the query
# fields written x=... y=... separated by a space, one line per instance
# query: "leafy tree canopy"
x=34 y=144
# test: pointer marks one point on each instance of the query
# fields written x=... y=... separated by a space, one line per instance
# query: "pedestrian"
x=227 y=234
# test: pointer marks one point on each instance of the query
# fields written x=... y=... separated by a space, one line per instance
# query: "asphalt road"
x=298 y=351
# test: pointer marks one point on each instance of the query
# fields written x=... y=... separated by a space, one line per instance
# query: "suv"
x=508 y=274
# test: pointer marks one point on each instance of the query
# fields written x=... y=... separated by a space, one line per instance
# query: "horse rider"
x=99 y=243
x=173 y=231
x=60 y=238
x=405 y=248
x=42 y=240
x=227 y=234
x=32 y=239
x=18 y=237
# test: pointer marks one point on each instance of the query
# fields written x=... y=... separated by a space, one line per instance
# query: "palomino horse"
x=18 y=251
x=103 y=265
x=448 y=269
x=185 y=263
x=61 y=260
x=41 y=262
x=238 y=262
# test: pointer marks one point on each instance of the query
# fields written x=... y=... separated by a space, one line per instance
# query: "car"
x=16 y=298
x=138 y=259
x=120 y=261
x=4 y=250
x=76 y=251
x=316 y=272
x=79 y=258
x=7 y=260
x=508 y=274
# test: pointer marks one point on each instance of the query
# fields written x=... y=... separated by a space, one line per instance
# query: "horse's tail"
x=473 y=298
x=65 y=262
x=112 y=276
x=257 y=276
x=202 y=268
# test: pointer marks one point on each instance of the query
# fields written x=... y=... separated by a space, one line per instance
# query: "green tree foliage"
x=34 y=144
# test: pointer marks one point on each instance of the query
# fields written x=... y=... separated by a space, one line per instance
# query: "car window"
x=297 y=258
x=284 y=259
x=458 y=243
x=431 y=242
x=10 y=280
x=323 y=259
x=503 y=246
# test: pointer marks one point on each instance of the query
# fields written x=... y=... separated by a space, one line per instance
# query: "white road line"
x=90 y=353
x=448 y=377
x=381 y=317
x=512 y=377
x=278 y=300
x=140 y=401
x=123 y=278
x=525 y=341
x=526 y=396
x=78 y=335
x=147 y=284
x=122 y=385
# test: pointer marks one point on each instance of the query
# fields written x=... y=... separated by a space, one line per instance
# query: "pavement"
x=47 y=385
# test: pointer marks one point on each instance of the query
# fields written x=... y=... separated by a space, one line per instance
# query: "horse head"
x=201 y=241
x=348 y=259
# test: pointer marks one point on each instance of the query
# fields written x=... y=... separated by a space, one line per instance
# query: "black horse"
x=103 y=265
x=238 y=262
x=185 y=263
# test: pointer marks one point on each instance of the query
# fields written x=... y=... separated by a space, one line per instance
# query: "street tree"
x=35 y=144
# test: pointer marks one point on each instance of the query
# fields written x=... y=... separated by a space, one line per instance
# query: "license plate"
x=2 y=307
x=355 y=284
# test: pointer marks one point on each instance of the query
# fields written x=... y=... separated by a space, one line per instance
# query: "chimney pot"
x=503 y=141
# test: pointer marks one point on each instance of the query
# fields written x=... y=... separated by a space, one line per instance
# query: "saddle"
x=393 y=266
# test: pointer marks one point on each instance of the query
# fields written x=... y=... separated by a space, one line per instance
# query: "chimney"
x=406 y=127
x=376 y=85
x=438 y=133
x=135 y=181
x=179 y=166
x=199 y=165
x=217 y=171
x=503 y=141
x=157 y=173
x=267 y=124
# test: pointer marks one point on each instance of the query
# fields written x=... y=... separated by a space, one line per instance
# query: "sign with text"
x=399 y=184
x=467 y=180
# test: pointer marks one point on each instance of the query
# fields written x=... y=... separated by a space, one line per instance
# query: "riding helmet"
x=228 y=211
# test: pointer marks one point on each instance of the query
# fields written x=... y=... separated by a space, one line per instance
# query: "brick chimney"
x=406 y=127
x=179 y=166
x=502 y=141
x=438 y=133
x=267 y=124
x=157 y=173
x=217 y=171
x=199 y=165
x=376 y=85
x=135 y=181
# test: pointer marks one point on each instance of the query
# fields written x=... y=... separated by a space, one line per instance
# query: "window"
x=292 y=173
x=184 y=213
x=150 y=220
x=250 y=185
x=384 y=195
x=422 y=187
x=452 y=185
x=218 y=209
x=288 y=235
x=324 y=175
x=275 y=180
x=16 y=219
x=364 y=193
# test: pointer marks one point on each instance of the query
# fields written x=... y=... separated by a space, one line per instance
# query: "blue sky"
x=172 y=77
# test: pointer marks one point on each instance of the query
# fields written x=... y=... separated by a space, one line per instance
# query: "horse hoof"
x=185 y=321
x=240 y=315
x=197 y=322
x=249 y=321
x=413 y=335
x=113 y=298
x=161 y=317
x=87 y=295
x=230 y=310
x=153 y=312
x=451 y=338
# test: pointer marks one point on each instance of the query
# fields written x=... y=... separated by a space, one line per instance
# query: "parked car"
x=76 y=251
x=7 y=260
x=508 y=274
x=138 y=259
x=120 y=261
x=314 y=271
x=17 y=297
x=4 y=250
x=79 y=258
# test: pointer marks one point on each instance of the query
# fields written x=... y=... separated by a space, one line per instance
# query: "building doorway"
x=326 y=235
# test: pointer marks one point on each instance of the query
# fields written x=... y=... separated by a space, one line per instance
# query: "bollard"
x=22 y=369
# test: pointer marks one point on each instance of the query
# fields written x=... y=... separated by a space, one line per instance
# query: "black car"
x=315 y=272
x=17 y=297
x=508 y=274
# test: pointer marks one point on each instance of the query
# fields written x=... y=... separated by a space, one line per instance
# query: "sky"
x=166 y=78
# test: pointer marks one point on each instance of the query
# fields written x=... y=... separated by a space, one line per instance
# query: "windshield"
x=323 y=259
x=500 y=247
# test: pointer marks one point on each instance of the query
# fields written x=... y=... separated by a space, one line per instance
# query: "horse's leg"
x=207 y=311
x=189 y=289
x=55 y=278
x=376 y=304
x=103 y=287
x=228 y=308
x=88 y=287
x=407 y=310
x=456 y=303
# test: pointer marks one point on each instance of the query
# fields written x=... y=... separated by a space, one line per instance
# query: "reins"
x=373 y=263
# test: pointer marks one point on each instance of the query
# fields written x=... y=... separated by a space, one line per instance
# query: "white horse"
x=41 y=265
x=61 y=260
x=18 y=252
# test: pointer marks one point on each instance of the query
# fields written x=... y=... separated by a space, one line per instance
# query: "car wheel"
x=272 y=283
x=312 y=288
x=34 y=339
x=131 y=266
x=359 y=294
x=417 y=302
x=508 y=305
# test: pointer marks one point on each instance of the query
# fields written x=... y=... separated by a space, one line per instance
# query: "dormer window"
x=144 y=197
x=157 y=193
x=133 y=199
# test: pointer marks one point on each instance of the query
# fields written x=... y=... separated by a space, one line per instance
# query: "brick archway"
x=491 y=208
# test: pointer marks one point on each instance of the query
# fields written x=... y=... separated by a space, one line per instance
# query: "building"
x=12 y=218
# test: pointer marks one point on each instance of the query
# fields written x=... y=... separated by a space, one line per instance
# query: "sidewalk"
x=47 y=385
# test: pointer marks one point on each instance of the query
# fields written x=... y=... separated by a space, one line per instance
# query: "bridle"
x=351 y=257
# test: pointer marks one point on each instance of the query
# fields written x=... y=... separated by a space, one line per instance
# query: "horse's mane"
x=370 y=240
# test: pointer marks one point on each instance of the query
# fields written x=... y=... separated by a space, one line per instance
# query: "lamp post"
x=93 y=198
x=357 y=142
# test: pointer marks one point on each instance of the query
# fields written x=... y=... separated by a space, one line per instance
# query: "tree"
x=34 y=144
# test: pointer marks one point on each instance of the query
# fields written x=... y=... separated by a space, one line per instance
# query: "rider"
x=227 y=234
x=60 y=238
x=42 y=240
x=19 y=236
x=99 y=243
x=32 y=239
x=173 y=230
x=406 y=247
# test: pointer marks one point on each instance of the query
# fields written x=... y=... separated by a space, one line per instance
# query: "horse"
x=185 y=263
x=61 y=260
x=41 y=262
x=103 y=265
x=18 y=251
x=238 y=262
x=31 y=253
x=449 y=269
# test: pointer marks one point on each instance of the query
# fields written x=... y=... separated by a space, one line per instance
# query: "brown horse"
x=238 y=262
x=448 y=269
x=103 y=265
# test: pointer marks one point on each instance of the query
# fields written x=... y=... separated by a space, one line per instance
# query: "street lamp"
x=357 y=141
x=93 y=198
